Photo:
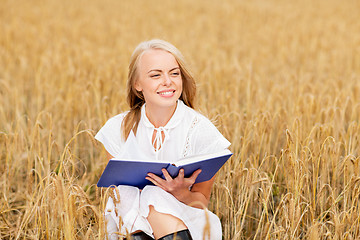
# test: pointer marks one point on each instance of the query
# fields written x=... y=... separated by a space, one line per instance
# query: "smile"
x=166 y=93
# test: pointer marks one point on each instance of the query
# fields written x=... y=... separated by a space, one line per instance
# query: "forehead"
x=157 y=59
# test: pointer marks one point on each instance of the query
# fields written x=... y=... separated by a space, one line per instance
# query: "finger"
x=152 y=180
x=195 y=175
x=155 y=177
x=156 y=183
x=166 y=174
x=181 y=173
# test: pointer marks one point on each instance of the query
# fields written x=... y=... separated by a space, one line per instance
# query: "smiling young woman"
x=161 y=119
x=159 y=81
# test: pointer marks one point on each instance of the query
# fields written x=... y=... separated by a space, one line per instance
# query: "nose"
x=167 y=80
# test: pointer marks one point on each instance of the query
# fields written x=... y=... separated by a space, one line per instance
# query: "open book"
x=133 y=172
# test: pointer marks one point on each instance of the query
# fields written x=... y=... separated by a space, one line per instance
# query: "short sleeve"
x=207 y=138
x=110 y=135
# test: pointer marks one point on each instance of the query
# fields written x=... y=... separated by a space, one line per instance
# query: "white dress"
x=187 y=133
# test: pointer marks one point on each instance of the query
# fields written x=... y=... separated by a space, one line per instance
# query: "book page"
x=199 y=158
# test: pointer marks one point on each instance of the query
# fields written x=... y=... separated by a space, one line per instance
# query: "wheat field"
x=280 y=79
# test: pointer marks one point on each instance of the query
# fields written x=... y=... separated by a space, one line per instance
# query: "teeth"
x=166 y=93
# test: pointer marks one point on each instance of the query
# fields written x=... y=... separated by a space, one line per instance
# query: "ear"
x=137 y=86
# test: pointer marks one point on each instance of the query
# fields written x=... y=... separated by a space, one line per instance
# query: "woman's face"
x=159 y=79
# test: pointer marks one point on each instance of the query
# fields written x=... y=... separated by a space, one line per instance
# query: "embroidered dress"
x=187 y=133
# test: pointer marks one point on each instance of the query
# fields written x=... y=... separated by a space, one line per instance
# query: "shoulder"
x=204 y=125
x=190 y=113
x=110 y=134
x=199 y=120
x=117 y=119
x=113 y=125
x=196 y=120
x=206 y=138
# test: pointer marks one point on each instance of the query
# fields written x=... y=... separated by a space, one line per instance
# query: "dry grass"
x=281 y=79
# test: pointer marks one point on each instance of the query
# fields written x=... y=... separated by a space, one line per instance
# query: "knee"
x=154 y=192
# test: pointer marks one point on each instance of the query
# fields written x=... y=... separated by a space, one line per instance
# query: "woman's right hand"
x=179 y=187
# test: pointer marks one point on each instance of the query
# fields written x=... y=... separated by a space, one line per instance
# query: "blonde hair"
x=136 y=99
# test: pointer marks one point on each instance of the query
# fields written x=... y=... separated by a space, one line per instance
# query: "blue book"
x=133 y=172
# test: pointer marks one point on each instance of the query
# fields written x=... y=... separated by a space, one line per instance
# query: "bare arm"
x=198 y=196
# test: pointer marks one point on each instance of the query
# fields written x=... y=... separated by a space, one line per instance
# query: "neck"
x=159 y=117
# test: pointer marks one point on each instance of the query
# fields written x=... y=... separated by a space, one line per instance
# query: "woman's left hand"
x=179 y=186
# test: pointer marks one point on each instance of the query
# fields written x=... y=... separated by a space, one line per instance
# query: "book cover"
x=133 y=172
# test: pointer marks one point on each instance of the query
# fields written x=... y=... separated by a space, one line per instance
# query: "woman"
x=163 y=123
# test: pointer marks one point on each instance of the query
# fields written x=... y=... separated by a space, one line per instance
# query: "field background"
x=281 y=80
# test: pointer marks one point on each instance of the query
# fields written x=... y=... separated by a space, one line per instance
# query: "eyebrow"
x=158 y=70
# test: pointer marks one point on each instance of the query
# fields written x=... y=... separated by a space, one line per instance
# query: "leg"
x=111 y=228
x=123 y=204
x=180 y=235
x=164 y=224
x=139 y=236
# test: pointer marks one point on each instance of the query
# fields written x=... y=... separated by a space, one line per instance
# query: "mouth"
x=166 y=93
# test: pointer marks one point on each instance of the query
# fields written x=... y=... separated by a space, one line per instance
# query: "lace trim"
x=187 y=143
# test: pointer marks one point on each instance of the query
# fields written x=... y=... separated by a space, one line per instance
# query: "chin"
x=168 y=102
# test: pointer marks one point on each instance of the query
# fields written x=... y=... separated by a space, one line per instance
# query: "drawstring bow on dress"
x=159 y=140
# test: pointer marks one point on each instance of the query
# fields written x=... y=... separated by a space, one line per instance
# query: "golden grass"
x=281 y=79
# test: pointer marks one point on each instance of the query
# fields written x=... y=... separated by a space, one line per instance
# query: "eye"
x=177 y=73
x=155 y=75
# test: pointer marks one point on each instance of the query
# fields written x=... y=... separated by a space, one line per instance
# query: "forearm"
x=199 y=195
x=193 y=199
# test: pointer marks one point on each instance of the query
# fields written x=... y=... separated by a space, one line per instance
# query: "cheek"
x=149 y=86
x=181 y=84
